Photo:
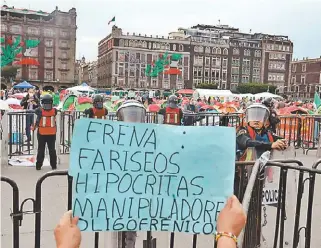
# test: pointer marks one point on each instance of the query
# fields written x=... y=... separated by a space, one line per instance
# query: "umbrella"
x=206 y=107
x=23 y=85
x=154 y=108
x=19 y=95
x=13 y=101
x=15 y=106
x=4 y=105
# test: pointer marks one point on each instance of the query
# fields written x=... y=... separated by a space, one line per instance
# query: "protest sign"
x=135 y=176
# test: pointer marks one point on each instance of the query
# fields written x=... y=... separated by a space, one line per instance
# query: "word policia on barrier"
x=131 y=177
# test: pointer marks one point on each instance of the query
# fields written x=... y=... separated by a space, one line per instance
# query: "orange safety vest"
x=172 y=116
x=47 y=124
x=249 y=156
x=99 y=113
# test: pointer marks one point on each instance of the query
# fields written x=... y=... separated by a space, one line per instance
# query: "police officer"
x=97 y=111
x=173 y=115
x=134 y=112
x=255 y=134
x=273 y=117
x=46 y=134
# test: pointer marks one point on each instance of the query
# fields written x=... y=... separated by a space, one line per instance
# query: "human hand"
x=279 y=145
x=232 y=218
x=67 y=234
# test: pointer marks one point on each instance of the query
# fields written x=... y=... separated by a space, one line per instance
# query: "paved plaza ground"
x=54 y=198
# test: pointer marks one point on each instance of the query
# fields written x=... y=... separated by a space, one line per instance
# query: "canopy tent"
x=227 y=95
x=79 y=90
x=84 y=84
x=185 y=91
x=265 y=95
x=23 y=85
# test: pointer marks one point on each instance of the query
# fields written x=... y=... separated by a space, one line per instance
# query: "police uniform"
x=97 y=111
x=173 y=115
x=273 y=117
x=47 y=129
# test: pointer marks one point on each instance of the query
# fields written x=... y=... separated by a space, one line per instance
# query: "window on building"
x=236 y=51
x=16 y=29
x=48 y=43
x=304 y=67
x=64 y=43
x=33 y=31
x=247 y=52
x=225 y=51
x=215 y=74
x=246 y=70
x=33 y=74
x=235 y=62
x=224 y=64
x=63 y=76
x=235 y=78
x=246 y=62
x=218 y=50
x=256 y=63
x=63 y=65
x=245 y=79
x=235 y=70
x=257 y=53
x=49 y=75
x=256 y=79
x=207 y=50
x=181 y=47
x=48 y=32
x=3 y=27
x=207 y=72
x=48 y=64
x=216 y=61
x=224 y=75
x=207 y=61
x=48 y=52
x=198 y=60
x=293 y=68
x=256 y=71
x=302 y=79
x=64 y=55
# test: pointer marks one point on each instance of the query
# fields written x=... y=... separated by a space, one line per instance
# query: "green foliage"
x=32 y=43
x=206 y=86
x=255 y=88
x=9 y=52
x=9 y=72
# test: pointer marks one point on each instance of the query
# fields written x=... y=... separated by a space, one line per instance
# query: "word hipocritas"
x=127 y=184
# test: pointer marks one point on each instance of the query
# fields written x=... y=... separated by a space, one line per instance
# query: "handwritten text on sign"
x=133 y=176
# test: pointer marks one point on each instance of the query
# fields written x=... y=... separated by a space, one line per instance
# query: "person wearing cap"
x=131 y=111
x=173 y=115
x=97 y=111
x=47 y=129
x=256 y=135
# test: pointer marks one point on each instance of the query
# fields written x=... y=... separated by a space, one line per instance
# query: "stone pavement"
x=54 y=204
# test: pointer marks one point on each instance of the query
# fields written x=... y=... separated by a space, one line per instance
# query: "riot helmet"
x=268 y=102
x=172 y=101
x=131 y=111
x=47 y=102
x=98 y=102
x=256 y=115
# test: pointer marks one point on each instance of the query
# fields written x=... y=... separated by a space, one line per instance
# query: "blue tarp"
x=84 y=84
x=23 y=85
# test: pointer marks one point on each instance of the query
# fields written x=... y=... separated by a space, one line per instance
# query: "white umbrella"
x=12 y=101
x=4 y=105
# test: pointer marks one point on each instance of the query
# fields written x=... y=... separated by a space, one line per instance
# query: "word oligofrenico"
x=136 y=176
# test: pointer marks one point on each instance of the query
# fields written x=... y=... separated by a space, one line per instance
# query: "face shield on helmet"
x=257 y=116
x=131 y=112
x=98 y=102
x=172 y=101
x=47 y=102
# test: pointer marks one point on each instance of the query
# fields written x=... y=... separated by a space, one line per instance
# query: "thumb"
x=75 y=220
x=229 y=203
x=235 y=202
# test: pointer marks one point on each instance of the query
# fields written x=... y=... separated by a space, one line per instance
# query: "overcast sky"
x=298 y=19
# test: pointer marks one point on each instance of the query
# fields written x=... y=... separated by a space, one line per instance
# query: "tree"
x=9 y=72
x=206 y=86
x=255 y=88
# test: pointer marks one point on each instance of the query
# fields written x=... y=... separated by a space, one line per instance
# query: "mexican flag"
x=317 y=100
x=112 y=20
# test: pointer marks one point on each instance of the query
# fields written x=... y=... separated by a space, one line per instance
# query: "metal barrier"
x=253 y=229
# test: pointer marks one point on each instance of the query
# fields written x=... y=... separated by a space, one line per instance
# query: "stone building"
x=305 y=77
x=53 y=59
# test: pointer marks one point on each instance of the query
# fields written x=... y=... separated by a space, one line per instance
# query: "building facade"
x=219 y=55
x=47 y=41
x=305 y=78
x=125 y=60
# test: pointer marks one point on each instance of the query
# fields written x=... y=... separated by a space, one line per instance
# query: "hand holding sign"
x=134 y=176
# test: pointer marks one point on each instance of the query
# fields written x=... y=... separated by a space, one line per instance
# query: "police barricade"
x=20 y=137
x=310 y=132
x=290 y=128
x=276 y=226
